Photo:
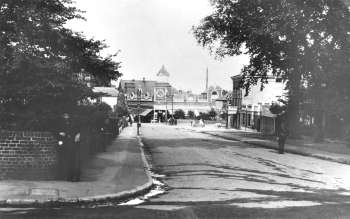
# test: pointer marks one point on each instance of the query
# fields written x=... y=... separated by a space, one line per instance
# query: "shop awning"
x=146 y=112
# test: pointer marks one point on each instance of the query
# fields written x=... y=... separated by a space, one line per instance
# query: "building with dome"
x=158 y=100
x=163 y=75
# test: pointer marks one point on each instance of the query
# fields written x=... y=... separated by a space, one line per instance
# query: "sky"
x=152 y=33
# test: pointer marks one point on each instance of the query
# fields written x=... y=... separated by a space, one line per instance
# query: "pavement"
x=120 y=173
x=328 y=150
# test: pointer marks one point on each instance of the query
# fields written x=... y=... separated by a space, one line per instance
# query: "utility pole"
x=172 y=104
x=206 y=81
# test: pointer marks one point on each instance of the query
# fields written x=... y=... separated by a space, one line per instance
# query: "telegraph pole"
x=172 y=104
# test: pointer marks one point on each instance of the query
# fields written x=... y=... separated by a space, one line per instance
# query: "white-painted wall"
x=111 y=101
x=271 y=93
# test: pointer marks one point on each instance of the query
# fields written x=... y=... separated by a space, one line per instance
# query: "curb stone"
x=117 y=197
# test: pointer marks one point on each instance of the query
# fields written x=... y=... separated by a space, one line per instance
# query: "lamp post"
x=138 y=110
x=166 y=107
x=246 y=118
x=226 y=114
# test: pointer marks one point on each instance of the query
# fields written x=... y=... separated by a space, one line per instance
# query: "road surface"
x=209 y=177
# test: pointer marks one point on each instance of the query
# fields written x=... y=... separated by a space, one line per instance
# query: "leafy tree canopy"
x=40 y=62
x=282 y=37
x=306 y=43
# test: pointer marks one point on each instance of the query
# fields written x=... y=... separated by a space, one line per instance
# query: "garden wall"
x=27 y=155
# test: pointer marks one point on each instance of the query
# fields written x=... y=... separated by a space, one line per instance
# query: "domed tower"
x=163 y=75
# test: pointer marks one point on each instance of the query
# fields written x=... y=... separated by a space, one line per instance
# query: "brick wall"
x=27 y=155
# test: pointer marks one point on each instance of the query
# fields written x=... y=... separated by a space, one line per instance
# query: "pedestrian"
x=106 y=133
x=69 y=150
x=125 y=122
x=130 y=120
x=201 y=122
x=76 y=168
x=282 y=132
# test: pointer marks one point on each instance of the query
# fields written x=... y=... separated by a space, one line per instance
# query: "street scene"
x=204 y=176
x=174 y=109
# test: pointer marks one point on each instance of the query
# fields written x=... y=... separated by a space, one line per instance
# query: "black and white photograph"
x=174 y=109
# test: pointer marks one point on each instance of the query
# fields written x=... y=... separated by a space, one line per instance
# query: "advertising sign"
x=159 y=94
x=232 y=110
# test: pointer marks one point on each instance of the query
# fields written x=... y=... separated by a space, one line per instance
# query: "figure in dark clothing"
x=69 y=149
x=130 y=120
x=106 y=133
x=282 y=132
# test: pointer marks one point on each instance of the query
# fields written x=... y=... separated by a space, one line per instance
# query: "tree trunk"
x=320 y=114
x=293 y=107
x=320 y=122
x=293 y=118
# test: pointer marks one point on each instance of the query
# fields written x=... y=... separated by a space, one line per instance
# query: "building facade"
x=252 y=110
x=157 y=100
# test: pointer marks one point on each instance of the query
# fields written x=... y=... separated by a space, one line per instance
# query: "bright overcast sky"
x=151 y=33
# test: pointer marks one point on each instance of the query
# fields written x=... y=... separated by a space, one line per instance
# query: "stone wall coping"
x=4 y=133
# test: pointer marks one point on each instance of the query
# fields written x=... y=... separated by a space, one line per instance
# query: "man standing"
x=69 y=149
x=282 y=131
x=130 y=120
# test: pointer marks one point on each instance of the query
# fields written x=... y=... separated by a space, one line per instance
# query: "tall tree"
x=40 y=60
x=289 y=38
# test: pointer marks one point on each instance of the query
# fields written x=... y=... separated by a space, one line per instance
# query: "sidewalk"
x=333 y=151
x=118 y=173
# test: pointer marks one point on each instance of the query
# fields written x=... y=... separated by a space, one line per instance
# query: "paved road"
x=209 y=177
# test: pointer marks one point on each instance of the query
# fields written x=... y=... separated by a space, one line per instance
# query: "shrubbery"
x=190 y=114
x=211 y=115
x=179 y=114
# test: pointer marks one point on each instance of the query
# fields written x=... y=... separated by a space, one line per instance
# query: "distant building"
x=108 y=95
x=90 y=80
x=158 y=99
x=252 y=110
x=163 y=75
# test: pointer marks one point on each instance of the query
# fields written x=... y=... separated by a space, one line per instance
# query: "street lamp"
x=166 y=107
x=138 y=110
x=226 y=113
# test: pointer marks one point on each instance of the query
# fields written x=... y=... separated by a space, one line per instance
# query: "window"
x=278 y=79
